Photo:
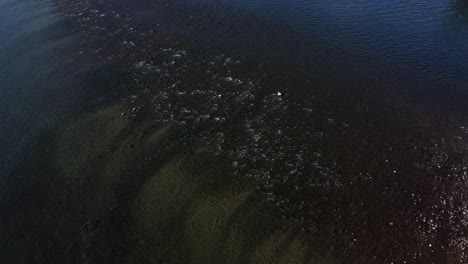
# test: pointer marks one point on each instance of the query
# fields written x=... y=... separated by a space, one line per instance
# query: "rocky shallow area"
x=364 y=186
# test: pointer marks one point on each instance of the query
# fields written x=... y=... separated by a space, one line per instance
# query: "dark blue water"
x=34 y=44
x=409 y=43
x=43 y=78
x=425 y=36
x=415 y=49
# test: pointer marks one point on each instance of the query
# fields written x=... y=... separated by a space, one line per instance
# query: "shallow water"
x=43 y=83
x=31 y=47
x=43 y=78
x=138 y=132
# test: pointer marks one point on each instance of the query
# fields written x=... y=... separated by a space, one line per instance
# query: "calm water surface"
x=420 y=47
x=417 y=49
x=42 y=78
x=113 y=111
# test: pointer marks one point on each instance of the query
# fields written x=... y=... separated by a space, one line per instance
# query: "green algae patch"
x=157 y=137
x=283 y=247
x=163 y=198
x=211 y=226
x=86 y=139
x=184 y=212
x=190 y=212
x=95 y=154
x=184 y=206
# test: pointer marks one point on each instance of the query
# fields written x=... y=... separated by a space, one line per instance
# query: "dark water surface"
x=157 y=131
x=42 y=80
x=413 y=46
x=417 y=48
x=32 y=49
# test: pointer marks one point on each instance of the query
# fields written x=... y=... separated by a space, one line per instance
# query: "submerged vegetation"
x=213 y=158
x=123 y=191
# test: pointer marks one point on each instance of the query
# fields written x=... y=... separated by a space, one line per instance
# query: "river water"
x=411 y=52
x=347 y=122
